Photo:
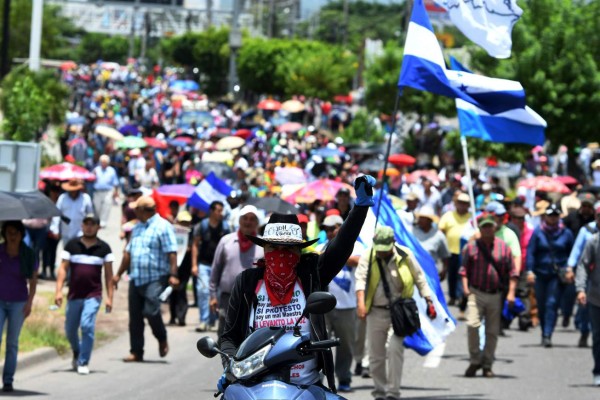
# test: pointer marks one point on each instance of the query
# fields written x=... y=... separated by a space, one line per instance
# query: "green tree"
x=362 y=129
x=99 y=46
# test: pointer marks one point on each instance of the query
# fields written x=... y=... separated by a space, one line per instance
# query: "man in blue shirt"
x=106 y=188
x=151 y=258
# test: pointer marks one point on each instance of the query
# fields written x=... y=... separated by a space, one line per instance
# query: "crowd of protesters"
x=534 y=249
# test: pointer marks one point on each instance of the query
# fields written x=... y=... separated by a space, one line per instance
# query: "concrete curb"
x=35 y=357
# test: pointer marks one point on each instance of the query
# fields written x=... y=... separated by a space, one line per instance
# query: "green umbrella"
x=131 y=142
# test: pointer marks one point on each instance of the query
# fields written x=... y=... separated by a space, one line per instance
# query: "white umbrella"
x=230 y=143
x=109 y=132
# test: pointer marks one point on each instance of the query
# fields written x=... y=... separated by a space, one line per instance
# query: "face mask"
x=280 y=275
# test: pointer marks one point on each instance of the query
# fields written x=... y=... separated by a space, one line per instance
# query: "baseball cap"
x=486 y=219
x=143 y=202
x=552 y=209
x=91 y=217
x=383 y=239
x=464 y=198
x=302 y=219
x=496 y=208
x=249 y=209
x=332 y=211
x=486 y=186
x=332 y=220
x=587 y=198
x=184 y=216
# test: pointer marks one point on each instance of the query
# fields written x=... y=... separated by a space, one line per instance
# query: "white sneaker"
x=83 y=370
x=596 y=380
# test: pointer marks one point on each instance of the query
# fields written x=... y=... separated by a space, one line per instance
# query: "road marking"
x=434 y=358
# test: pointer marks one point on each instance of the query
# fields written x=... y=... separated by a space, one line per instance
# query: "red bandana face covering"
x=280 y=275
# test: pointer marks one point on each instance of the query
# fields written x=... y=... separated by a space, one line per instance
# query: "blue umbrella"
x=76 y=121
x=176 y=143
x=130 y=130
x=187 y=85
x=327 y=152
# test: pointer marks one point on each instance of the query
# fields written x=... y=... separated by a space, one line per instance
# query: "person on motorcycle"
x=275 y=293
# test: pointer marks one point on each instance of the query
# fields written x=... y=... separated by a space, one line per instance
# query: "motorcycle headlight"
x=250 y=365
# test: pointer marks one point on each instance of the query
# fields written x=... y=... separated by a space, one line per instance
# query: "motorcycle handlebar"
x=322 y=345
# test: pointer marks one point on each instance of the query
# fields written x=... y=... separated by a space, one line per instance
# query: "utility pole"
x=209 y=14
x=271 y=26
x=132 y=34
x=35 y=43
x=4 y=68
x=346 y=11
x=235 y=42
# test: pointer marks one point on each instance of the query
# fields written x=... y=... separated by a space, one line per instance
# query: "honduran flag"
x=424 y=68
x=210 y=189
x=433 y=332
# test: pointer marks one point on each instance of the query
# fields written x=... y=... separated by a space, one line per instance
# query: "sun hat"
x=412 y=196
x=282 y=230
x=184 y=216
x=72 y=185
x=384 y=239
x=427 y=212
x=332 y=220
x=143 y=202
x=463 y=198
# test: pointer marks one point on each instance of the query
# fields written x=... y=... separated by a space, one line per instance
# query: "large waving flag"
x=432 y=332
x=210 y=189
x=488 y=23
x=520 y=125
x=424 y=68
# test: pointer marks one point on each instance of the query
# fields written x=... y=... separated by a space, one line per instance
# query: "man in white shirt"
x=74 y=205
x=106 y=188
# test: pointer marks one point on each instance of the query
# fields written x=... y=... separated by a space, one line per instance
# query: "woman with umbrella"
x=18 y=280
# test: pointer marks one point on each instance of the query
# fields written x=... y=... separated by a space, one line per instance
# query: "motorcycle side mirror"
x=317 y=303
x=207 y=347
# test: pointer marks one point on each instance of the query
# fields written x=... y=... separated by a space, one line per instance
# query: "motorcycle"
x=261 y=367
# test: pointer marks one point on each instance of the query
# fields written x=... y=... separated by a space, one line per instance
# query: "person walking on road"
x=432 y=239
x=106 y=189
x=151 y=258
x=74 y=205
x=234 y=254
x=85 y=257
x=18 y=282
x=587 y=283
x=401 y=273
x=487 y=270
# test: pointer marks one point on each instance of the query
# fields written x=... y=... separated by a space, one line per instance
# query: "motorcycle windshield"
x=257 y=340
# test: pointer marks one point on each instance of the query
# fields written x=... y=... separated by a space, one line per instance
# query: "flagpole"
x=463 y=142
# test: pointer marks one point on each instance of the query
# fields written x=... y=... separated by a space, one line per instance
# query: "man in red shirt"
x=487 y=268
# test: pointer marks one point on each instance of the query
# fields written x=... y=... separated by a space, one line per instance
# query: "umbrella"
x=109 y=132
x=230 y=143
x=273 y=204
x=217 y=156
x=544 y=184
x=243 y=133
x=17 y=206
x=65 y=172
x=184 y=86
x=110 y=65
x=322 y=189
x=176 y=143
x=430 y=175
x=567 y=180
x=68 y=65
x=131 y=142
x=222 y=171
x=221 y=133
x=184 y=138
x=293 y=106
x=287 y=175
x=183 y=190
x=372 y=164
x=537 y=149
x=402 y=160
x=327 y=152
x=269 y=104
x=76 y=121
x=130 y=130
x=155 y=143
x=289 y=127
x=391 y=172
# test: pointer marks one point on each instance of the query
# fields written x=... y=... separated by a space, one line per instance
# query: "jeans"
x=202 y=289
x=548 y=293
x=49 y=256
x=567 y=303
x=582 y=319
x=594 y=312
x=144 y=302
x=455 y=289
x=12 y=313
x=81 y=313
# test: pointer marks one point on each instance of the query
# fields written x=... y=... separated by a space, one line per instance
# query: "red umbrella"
x=289 y=127
x=65 y=172
x=186 y=139
x=68 y=65
x=430 y=175
x=544 y=184
x=154 y=142
x=269 y=104
x=567 y=180
x=402 y=160
x=243 y=133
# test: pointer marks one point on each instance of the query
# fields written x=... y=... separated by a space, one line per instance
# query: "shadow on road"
x=22 y=393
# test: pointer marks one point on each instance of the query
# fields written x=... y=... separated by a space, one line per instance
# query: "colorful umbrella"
x=289 y=175
x=109 y=132
x=430 y=175
x=544 y=184
x=402 y=160
x=131 y=142
x=292 y=106
x=65 y=172
x=289 y=127
x=230 y=143
x=269 y=104
x=243 y=133
x=322 y=189
x=155 y=143
x=68 y=65
x=567 y=180
x=130 y=130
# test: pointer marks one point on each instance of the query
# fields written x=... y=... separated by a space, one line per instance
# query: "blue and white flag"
x=488 y=23
x=210 y=189
x=424 y=68
x=520 y=125
x=433 y=332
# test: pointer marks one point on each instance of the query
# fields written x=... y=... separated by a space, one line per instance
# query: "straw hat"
x=282 y=230
x=72 y=185
x=427 y=212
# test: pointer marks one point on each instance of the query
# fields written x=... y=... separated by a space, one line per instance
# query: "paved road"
x=523 y=368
